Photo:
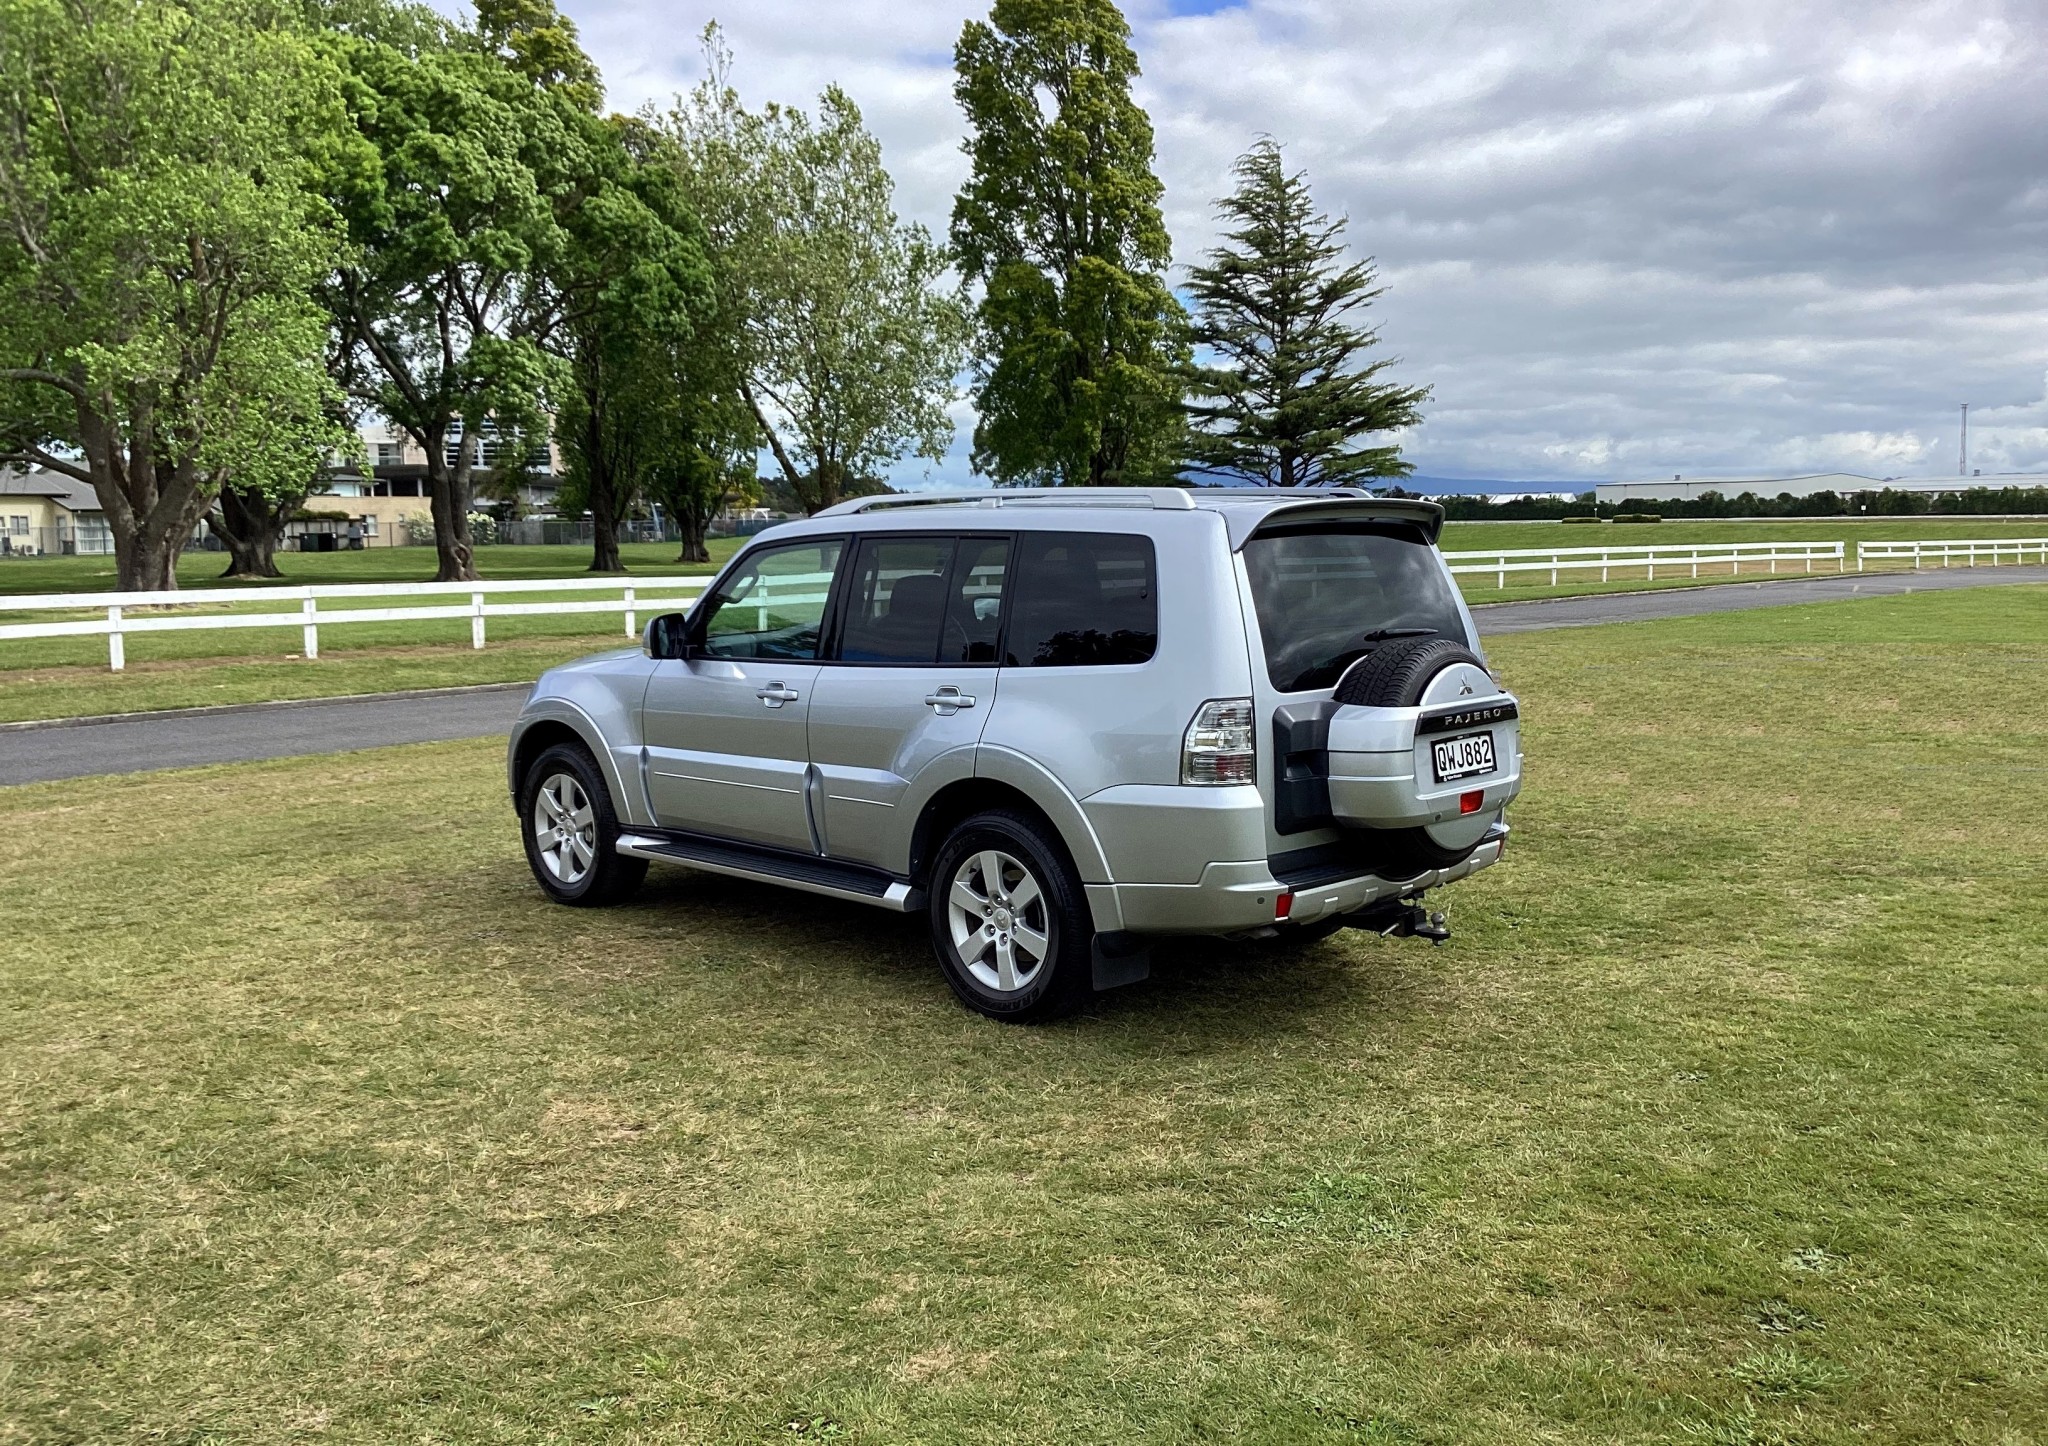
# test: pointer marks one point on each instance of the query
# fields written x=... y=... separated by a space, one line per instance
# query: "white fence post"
x=117 y=649
x=630 y=619
x=312 y=629
x=476 y=620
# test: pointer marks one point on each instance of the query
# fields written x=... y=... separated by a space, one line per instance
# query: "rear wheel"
x=572 y=831
x=1010 y=921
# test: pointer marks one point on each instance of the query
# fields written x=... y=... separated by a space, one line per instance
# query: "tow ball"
x=1402 y=921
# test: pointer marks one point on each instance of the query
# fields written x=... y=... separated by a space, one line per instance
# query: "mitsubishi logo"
x=1464 y=690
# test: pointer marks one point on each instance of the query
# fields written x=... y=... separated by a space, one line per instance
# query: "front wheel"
x=1010 y=920
x=572 y=831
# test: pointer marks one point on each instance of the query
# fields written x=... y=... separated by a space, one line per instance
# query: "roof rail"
x=1172 y=499
x=1167 y=499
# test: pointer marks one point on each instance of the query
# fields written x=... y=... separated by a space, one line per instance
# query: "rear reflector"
x=1283 y=906
x=1470 y=802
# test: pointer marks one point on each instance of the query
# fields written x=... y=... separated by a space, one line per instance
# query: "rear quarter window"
x=1082 y=599
x=1321 y=591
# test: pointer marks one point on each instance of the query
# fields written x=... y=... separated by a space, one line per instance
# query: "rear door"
x=907 y=688
x=727 y=733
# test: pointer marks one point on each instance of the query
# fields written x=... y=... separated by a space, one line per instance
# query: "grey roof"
x=66 y=492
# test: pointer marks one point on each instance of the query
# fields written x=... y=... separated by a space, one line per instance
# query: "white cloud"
x=1619 y=238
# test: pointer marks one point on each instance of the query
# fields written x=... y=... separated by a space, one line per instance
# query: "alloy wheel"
x=996 y=910
x=564 y=828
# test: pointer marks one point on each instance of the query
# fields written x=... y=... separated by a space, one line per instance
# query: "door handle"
x=775 y=695
x=948 y=701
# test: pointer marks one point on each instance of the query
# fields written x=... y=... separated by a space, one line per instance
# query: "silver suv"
x=1058 y=723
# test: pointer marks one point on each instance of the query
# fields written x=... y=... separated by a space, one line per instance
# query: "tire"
x=1395 y=676
x=572 y=832
x=990 y=967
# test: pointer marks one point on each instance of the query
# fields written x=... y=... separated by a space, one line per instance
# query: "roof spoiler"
x=1321 y=503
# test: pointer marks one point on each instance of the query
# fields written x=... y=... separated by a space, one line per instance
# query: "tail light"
x=1218 y=747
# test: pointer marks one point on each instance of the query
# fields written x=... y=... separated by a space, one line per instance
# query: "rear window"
x=1082 y=599
x=1321 y=591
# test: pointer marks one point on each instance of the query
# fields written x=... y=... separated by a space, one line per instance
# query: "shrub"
x=1637 y=517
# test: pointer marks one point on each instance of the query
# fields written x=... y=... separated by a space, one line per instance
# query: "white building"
x=1841 y=483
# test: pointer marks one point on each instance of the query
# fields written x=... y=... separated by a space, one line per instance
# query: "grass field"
x=1719 y=1121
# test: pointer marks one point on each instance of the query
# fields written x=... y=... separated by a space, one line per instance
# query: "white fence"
x=1758 y=556
x=122 y=613
x=119 y=614
x=1994 y=550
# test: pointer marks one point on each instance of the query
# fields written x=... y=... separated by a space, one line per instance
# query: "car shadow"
x=1233 y=991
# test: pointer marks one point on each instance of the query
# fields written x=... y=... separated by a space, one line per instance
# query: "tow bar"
x=1401 y=921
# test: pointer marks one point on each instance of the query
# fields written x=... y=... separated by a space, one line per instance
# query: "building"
x=1839 y=483
x=46 y=514
x=375 y=500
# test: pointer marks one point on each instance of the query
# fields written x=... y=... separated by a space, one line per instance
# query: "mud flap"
x=1120 y=959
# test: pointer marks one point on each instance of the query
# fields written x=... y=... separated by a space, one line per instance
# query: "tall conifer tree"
x=1289 y=402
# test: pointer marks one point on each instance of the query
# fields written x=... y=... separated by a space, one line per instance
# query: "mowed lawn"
x=1720 y=1119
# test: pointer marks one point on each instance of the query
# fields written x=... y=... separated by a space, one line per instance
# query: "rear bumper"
x=1231 y=898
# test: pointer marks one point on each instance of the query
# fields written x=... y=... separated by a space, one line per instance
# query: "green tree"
x=635 y=283
x=158 y=250
x=1289 y=403
x=1059 y=221
x=845 y=336
x=444 y=308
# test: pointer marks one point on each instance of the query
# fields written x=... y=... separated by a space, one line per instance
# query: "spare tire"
x=1396 y=675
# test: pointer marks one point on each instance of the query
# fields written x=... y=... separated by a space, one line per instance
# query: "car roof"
x=1243 y=509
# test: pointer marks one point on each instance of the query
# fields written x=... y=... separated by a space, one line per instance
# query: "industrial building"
x=1839 y=483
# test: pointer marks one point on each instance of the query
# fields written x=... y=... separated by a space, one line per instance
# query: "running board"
x=853 y=882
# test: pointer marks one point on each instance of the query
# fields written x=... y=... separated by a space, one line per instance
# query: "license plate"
x=1463 y=757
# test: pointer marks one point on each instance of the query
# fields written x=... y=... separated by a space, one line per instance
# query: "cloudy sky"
x=1622 y=237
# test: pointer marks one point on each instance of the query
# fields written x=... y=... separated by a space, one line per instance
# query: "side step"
x=853 y=882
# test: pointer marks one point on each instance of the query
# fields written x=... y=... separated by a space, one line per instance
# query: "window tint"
x=772 y=604
x=896 y=604
x=1320 y=592
x=1082 y=599
x=974 y=604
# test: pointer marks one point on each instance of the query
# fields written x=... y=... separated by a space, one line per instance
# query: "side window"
x=1083 y=599
x=974 y=603
x=896 y=601
x=772 y=604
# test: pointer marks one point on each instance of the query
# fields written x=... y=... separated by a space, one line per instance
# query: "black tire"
x=1395 y=675
x=1065 y=975
x=608 y=877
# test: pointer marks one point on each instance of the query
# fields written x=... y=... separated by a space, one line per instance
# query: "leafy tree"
x=1059 y=221
x=158 y=248
x=443 y=309
x=636 y=282
x=1290 y=405
x=845 y=338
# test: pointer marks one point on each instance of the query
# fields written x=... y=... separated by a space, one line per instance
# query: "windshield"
x=1321 y=589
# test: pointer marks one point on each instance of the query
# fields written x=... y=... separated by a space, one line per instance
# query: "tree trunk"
x=604 y=500
x=694 y=525
x=450 y=490
x=252 y=525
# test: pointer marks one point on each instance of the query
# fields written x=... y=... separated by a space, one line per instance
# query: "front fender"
x=598 y=700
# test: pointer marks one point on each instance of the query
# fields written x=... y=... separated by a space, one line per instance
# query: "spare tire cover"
x=1397 y=675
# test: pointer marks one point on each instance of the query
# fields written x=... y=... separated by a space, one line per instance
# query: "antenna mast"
x=1963 y=457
